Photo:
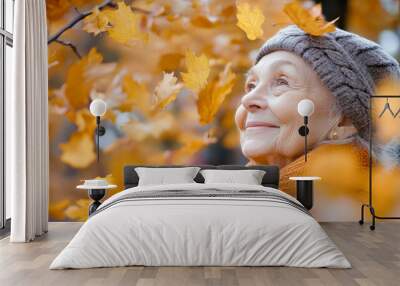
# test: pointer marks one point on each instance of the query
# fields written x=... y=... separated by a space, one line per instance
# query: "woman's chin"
x=253 y=150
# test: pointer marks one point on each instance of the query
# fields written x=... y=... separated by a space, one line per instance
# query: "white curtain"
x=27 y=146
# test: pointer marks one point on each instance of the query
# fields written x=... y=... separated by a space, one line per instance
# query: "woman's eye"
x=281 y=81
x=250 y=86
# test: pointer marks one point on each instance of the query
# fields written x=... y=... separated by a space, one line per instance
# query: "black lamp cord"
x=305 y=137
x=98 y=137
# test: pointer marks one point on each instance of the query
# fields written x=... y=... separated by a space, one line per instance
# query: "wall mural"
x=178 y=81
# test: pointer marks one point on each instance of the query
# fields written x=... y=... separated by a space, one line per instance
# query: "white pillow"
x=248 y=177
x=163 y=176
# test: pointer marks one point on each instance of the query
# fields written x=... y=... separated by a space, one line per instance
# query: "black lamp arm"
x=303 y=131
x=100 y=130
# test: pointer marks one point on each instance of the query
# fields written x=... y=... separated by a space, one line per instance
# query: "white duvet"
x=200 y=231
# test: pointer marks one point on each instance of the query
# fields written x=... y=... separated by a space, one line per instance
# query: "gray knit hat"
x=349 y=66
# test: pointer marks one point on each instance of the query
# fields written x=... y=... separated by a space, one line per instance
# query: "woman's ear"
x=343 y=130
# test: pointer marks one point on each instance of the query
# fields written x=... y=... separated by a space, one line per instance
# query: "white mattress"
x=200 y=231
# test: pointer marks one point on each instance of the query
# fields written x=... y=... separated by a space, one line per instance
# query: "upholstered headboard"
x=270 y=179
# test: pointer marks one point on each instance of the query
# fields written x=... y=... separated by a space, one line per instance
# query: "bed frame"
x=270 y=179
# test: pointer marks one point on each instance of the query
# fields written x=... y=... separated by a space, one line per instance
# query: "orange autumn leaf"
x=213 y=95
x=138 y=96
x=78 y=85
x=78 y=152
x=311 y=20
x=198 y=70
x=166 y=91
x=97 y=22
x=250 y=20
x=125 y=25
x=84 y=120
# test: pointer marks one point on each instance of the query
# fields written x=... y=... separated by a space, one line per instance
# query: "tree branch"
x=77 y=19
x=140 y=10
x=69 y=44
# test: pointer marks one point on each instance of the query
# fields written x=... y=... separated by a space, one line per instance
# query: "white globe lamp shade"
x=305 y=107
x=98 y=107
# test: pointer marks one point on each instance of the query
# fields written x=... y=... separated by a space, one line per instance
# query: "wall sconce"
x=305 y=108
x=98 y=108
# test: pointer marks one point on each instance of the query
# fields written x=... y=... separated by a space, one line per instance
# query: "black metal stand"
x=96 y=195
x=370 y=205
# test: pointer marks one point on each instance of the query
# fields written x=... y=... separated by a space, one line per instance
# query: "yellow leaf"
x=125 y=25
x=250 y=20
x=78 y=85
x=83 y=119
x=96 y=22
x=213 y=95
x=137 y=95
x=78 y=152
x=198 y=68
x=311 y=20
x=166 y=91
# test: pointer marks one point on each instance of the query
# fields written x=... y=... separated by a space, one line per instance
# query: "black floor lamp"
x=98 y=108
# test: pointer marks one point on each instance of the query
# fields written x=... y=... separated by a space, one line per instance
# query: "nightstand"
x=304 y=186
x=96 y=193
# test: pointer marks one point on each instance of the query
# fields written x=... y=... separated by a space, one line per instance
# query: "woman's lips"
x=254 y=124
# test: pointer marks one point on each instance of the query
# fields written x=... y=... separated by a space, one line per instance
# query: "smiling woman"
x=268 y=118
x=338 y=72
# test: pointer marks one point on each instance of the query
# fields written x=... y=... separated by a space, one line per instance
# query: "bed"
x=198 y=224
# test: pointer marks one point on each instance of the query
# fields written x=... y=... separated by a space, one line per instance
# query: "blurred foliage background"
x=172 y=74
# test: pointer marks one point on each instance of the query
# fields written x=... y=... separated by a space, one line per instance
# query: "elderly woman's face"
x=267 y=116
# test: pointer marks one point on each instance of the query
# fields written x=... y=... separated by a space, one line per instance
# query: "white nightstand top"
x=305 y=178
x=86 y=187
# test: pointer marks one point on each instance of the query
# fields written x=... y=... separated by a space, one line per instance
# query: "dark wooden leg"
x=305 y=193
x=96 y=195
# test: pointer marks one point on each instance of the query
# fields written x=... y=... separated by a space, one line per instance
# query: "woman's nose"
x=254 y=101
